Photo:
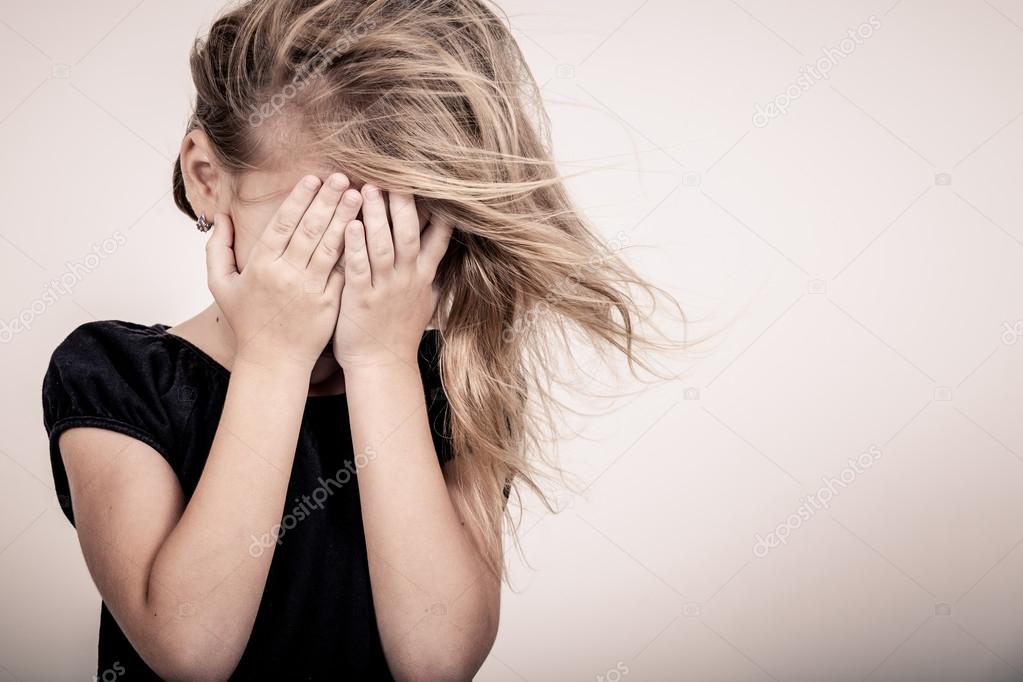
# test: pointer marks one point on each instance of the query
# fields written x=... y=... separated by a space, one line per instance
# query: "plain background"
x=860 y=255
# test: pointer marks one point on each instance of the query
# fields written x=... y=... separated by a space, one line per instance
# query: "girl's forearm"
x=427 y=576
x=206 y=573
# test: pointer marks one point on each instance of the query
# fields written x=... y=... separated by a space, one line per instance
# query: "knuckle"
x=307 y=231
x=281 y=225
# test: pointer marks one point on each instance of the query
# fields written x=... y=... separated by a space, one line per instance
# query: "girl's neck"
x=210 y=332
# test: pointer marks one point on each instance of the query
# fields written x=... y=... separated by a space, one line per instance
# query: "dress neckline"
x=209 y=360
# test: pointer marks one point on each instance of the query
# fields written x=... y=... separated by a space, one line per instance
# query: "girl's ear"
x=202 y=176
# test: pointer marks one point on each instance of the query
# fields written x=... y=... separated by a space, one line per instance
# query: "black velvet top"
x=316 y=618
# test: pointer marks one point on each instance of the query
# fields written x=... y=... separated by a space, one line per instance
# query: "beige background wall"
x=862 y=252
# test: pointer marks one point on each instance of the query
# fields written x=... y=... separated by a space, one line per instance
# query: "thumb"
x=221 y=265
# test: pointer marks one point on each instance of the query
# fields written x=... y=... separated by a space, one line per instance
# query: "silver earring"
x=202 y=224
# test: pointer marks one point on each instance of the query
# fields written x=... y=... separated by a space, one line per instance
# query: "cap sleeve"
x=103 y=375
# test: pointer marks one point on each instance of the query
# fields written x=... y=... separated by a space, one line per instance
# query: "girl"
x=308 y=479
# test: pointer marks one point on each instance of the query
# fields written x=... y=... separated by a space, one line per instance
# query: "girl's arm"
x=180 y=579
x=436 y=601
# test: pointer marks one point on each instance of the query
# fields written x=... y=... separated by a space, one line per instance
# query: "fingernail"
x=372 y=191
x=312 y=182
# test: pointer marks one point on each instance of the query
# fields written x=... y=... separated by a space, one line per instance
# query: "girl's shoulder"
x=131 y=377
x=126 y=377
x=106 y=336
x=120 y=354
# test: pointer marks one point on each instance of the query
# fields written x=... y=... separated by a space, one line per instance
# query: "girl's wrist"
x=384 y=369
x=283 y=370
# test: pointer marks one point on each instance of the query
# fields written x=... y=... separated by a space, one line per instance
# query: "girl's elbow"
x=193 y=658
x=436 y=670
x=441 y=664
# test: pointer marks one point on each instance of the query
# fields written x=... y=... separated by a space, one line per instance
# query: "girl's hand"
x=283 y=307
x=389 y=295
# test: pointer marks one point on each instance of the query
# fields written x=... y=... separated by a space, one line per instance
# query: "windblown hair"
x=434 y=97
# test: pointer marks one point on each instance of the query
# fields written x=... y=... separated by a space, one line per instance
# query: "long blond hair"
x=434 y=97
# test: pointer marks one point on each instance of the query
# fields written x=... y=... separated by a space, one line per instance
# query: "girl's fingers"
x=220 y=260
x=314 y=222
x=336 y=281
x=328 y=253
x=378 y=231
x=357 y=268
x=347 y=211
x=278 y=232
x=434 y=244
x=405 y=227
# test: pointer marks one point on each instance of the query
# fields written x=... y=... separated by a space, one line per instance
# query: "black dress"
x=316 y=618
